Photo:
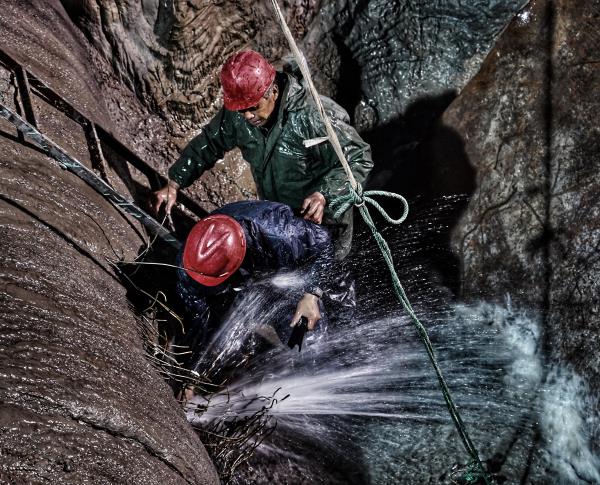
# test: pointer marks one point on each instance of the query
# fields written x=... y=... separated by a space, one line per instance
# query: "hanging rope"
x=357 y=198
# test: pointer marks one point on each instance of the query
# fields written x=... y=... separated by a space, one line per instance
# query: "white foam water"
x=568 y=423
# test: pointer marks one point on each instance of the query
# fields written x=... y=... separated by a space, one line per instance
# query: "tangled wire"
x=230 y=425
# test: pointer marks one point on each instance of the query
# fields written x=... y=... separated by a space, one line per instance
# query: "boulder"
x=530 y=230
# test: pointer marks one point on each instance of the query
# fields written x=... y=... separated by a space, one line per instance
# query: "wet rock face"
x=376 y=56
x=396 y=67
x=380 y=56
x=79 y=401
x=170 y=52
x=529 y=126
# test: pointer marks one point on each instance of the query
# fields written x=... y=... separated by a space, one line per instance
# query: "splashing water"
x=365 y=391
x=567 y=425
x=364 y=405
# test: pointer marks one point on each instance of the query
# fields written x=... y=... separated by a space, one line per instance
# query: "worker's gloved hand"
x=308 y=307
x=313 y=207
x=167 y=195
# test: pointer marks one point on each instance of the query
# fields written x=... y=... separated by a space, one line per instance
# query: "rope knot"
x=359 y=199
x=357 y=196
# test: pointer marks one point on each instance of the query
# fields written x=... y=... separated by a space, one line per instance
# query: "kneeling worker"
x=240 y=243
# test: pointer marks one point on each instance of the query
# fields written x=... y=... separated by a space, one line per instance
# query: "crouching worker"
x=236 y=249
x=270 y=117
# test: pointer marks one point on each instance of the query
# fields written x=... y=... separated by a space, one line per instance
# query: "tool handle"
x=297 y=335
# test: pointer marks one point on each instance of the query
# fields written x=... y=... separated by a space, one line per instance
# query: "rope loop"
x=359 y=199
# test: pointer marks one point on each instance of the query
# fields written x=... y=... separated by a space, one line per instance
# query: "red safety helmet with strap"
x=245 y=78
x=214 y=249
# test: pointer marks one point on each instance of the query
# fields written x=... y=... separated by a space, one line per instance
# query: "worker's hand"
x=313 y=207
x=167 y=195
x=308 y=307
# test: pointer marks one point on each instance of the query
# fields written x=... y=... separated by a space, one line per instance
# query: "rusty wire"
x=231 y=441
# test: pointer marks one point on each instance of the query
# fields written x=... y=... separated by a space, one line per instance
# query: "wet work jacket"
x=284 y=169
x=276 y=241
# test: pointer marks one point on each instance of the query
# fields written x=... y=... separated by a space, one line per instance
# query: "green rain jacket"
x=284 y=170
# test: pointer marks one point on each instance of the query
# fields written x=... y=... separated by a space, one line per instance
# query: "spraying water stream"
x=361 y=404
x=367 y=389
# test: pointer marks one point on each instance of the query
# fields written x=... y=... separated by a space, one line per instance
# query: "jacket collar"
x=292 y=99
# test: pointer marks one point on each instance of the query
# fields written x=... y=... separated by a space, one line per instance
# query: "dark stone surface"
x=380 y=56
x=529 y=128
x=79 y=401
x=396 y=67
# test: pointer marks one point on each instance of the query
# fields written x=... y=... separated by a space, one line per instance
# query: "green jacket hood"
x=294 y=93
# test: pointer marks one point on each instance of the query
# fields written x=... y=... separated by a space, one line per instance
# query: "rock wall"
x=170 y=52
x=79 y=402
x=379 y=57
x=529 y=128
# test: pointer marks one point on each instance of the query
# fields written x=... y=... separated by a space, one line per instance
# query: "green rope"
x=356 y=197
x=360 y=200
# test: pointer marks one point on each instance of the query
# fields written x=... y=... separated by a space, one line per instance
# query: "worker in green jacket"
x=270 y=117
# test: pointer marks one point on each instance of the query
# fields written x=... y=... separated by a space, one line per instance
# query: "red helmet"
x=245 y=78
x=214 y=249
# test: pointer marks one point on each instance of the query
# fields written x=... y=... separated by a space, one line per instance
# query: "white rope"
x=303 y=65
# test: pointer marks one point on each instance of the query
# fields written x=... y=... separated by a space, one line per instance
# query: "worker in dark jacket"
x=268 y=115
x=238 y=245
